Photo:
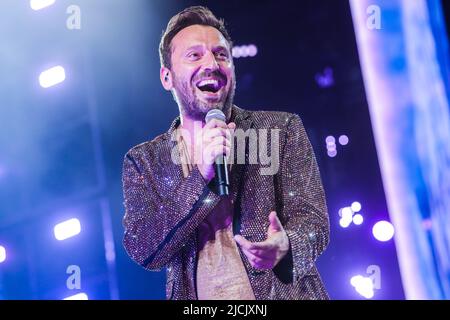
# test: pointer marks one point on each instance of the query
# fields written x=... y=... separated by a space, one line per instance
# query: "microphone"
x=220 y=163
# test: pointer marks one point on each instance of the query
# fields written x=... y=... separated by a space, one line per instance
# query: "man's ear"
x=166 y=78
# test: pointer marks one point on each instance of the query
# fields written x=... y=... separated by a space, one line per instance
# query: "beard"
x=191 y=106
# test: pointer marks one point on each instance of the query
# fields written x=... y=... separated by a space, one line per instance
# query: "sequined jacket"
x=163 y=209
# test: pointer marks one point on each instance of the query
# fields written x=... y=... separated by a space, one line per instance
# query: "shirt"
x=221 y=274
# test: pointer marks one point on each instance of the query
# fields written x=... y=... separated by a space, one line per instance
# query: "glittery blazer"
x=163 y=209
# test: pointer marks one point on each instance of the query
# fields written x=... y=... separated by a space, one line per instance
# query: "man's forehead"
x=198 y=35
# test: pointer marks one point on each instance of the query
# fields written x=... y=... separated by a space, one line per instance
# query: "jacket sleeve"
x=304 y=211
x=157 y=228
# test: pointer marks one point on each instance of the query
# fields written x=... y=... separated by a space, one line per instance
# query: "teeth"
x=215 y=83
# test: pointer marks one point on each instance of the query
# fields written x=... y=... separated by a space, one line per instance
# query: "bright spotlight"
x=52 y=76
x=252 y=50
x=363 y=285
x=356 y=206
x=347 y=213
x=343 y=140
x=358 y=219
x=345 y=223
x=2 y=254
x=383 y=231
x=78 y=296
x=330 y=139
x=40 y=4
x=332 y=153
x=67 y=229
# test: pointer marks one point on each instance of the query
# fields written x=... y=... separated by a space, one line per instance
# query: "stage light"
x=40 y=4
x=347 y=213
x=330 y=139
x=383 y=231
x=344 y=223
x=252 y=50
x=362 y=285
x=356 y=206
x=331 y=146
x=325 y=78
x=52 y=76
x=244 y=51
x=2 y=254
x=343 y=140
x=332 y=153
x=236 y=52
x=109 y=249
x=358 y=219
x=78 y=296
x=67 y=229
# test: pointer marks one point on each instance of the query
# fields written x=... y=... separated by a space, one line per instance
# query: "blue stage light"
x=78 y=296
x=52 y=76
x=2 y=254
x=40 y=4
x=67 y=229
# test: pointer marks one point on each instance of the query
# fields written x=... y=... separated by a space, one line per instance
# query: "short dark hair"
x=188 y=17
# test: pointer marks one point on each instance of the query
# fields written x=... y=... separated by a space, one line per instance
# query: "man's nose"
x=210 y=62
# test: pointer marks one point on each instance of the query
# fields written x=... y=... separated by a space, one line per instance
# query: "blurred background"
x=79 y=86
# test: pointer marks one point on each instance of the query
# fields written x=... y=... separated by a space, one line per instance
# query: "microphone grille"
x=215 y=114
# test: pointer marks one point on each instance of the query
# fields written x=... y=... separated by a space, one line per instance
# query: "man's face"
x=202 y=71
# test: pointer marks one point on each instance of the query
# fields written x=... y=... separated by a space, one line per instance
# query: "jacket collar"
x=243 y=121
x=237 y=115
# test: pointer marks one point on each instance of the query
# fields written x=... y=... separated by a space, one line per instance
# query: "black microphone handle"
x=220 y=168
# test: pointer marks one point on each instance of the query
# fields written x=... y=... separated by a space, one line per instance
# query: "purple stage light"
x=343 y=140
x=252 y=50
x=330 y=139
x=332 y=153
x=325 y=79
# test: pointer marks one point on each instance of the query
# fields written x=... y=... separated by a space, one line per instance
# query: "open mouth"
x=210 y=85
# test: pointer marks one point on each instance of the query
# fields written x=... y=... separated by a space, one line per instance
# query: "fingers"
x=258 y=258
x=214 y=123
x=275 y=224
x=257 y=248
x=259 y=262
x=243 y=243
x=217 y=132
x=219 y=146
x=217 y=140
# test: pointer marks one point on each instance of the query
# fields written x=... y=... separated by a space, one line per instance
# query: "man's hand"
x=213 y=140
x=266 y=254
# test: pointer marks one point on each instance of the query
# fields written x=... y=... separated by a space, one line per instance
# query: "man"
x=260 y=241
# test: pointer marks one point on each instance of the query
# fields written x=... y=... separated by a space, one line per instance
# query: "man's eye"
x=222 y=55
x=193 y=55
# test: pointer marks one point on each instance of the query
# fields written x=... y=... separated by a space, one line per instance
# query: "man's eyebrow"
x=198 y=46
x=220 y=47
